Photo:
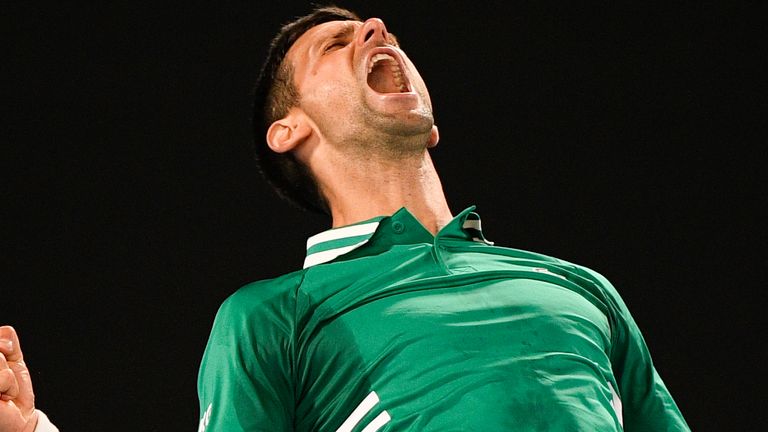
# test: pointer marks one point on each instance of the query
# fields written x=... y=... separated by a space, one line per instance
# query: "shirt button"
x=398 y=227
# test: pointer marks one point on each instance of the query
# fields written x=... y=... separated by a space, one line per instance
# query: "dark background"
x=630 y=139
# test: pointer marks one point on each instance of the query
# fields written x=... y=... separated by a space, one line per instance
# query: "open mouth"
x=385 y=74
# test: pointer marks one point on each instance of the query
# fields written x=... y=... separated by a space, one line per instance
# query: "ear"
x=434 y=137
x=285 y=134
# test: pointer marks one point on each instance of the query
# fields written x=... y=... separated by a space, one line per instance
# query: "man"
x=404 y=317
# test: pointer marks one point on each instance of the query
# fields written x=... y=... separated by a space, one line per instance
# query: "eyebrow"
x=344 y=32
x=350 y=29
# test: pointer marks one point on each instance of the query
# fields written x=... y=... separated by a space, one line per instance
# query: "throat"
x=380 y=188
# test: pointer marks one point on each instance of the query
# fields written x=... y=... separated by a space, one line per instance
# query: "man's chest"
x=443 y=345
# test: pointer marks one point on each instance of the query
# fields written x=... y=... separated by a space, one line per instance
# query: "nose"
x=373 y=31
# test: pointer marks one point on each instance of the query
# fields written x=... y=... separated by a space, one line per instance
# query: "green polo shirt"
x=389 y=328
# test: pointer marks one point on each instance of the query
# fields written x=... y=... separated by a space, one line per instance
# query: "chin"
x=404 y=123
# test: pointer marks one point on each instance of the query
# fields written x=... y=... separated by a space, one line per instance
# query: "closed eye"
x=334 y=46
x=340 y=38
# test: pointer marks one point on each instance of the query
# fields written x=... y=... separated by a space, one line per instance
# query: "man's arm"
x=245 y=381
x=17 y=400
x=647 y=403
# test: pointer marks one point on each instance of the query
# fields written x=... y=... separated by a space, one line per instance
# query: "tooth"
x=380 y=57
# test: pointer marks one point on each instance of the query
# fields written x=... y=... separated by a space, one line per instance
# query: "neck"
x=358 y=189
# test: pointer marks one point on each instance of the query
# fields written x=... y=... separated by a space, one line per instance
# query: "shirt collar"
x=329 y=245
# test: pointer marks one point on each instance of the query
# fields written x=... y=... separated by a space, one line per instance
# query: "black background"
x=630 y=139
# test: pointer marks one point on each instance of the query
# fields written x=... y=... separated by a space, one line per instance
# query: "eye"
x=334 y=46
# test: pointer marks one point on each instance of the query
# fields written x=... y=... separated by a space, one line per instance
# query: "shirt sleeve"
x=245 y=381
x=647 y=404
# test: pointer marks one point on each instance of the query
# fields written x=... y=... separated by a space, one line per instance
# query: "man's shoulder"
x=256 y=295
x=550 y=261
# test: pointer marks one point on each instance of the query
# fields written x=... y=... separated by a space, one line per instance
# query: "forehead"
x=322 y=32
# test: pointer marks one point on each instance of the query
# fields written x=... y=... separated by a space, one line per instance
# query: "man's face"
x=354 y=81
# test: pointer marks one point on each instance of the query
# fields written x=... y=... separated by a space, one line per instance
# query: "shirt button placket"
x=398 y=227
x=438 y=250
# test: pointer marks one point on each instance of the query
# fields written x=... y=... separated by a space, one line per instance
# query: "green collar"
x=383 y=231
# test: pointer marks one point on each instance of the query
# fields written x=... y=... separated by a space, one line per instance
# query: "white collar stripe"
x=328 y=245
x=338 y=233
x=330 y=254
x=472 y=223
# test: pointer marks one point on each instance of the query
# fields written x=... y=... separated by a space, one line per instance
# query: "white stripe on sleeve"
x=378 y=422
x=365 y=406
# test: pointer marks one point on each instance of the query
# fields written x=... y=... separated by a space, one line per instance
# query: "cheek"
x=328 y=95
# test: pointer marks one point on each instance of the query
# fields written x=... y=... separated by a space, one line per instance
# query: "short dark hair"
x=275 y=93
